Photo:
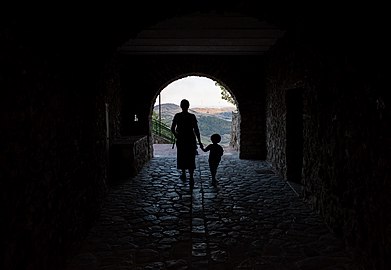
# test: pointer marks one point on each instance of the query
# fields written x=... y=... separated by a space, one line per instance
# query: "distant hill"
x=168 y=110
x=214 y=110
x=210 y=120
x=223 y=113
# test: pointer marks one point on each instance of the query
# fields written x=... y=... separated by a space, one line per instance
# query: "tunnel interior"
x=311 y=94
x=294 y=134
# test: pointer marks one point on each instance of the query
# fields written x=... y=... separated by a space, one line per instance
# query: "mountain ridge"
x=219 y=121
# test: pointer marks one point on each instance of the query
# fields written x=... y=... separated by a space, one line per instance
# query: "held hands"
x=201 y=146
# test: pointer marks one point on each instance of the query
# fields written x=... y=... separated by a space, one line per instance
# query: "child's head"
x=215 y=138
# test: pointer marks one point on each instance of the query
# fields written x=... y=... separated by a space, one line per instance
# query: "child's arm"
x=205 y=149
x=202 y=147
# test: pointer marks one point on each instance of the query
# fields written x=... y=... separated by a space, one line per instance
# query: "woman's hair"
x=185 y=104
x=215 y=138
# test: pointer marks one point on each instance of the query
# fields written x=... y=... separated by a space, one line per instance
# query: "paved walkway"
x=251 y=220
x=166 y=150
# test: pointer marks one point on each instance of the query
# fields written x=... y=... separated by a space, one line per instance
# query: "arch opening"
x=211 y=101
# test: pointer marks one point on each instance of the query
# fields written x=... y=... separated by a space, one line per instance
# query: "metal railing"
x=162 y=130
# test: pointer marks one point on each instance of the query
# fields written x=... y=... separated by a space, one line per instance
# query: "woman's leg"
x=183 y=176
x=191 y=172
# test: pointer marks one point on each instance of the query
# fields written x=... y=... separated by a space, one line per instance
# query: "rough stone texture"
x=141 y=153
x=127 y=156
x=345 y=133
x=111 y=95
x=252 y=131
x=53 y=154
x=250 y=220
x=235 y=131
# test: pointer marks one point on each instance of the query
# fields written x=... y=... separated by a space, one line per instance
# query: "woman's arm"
x=173 y=126
x=197 y=130
x=202 y=148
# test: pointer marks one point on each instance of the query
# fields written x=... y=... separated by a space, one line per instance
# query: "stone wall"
x=53 y=156
x=110 y=94
x=235 y=131
x=252 y=130
x=345 y=136
x=127 y=156
x=141 y=154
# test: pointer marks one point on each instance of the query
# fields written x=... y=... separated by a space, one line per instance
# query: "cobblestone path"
x=251 y=220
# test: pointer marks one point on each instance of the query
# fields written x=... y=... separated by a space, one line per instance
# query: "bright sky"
x=199 y=91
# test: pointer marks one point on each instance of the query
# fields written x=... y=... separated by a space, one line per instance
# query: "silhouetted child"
x=215 y=153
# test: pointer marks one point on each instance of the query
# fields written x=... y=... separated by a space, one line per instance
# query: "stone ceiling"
x=206 y=34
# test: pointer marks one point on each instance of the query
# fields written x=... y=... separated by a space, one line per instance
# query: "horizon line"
x=201 y=106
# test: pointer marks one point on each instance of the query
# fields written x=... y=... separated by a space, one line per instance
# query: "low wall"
x=127 y=156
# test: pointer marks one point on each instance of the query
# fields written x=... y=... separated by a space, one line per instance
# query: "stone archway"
x=231 y=133
x=141 y=77
x=229 y=46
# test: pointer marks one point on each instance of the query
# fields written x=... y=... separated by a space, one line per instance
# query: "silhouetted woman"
x=185 y=128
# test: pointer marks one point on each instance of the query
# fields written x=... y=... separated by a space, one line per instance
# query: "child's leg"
x=213 y=171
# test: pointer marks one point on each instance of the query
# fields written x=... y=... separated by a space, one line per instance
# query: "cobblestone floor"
x=251 y=220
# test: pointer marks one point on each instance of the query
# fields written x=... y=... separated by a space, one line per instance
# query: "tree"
x=225 y=94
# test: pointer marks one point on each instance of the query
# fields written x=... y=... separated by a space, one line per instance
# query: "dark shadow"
x=294 y=134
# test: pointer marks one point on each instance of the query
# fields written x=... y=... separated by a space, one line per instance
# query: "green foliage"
x=225 y=94
x=155 y=116
x=162 y=130
x=165 y=119
x=210 y=124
